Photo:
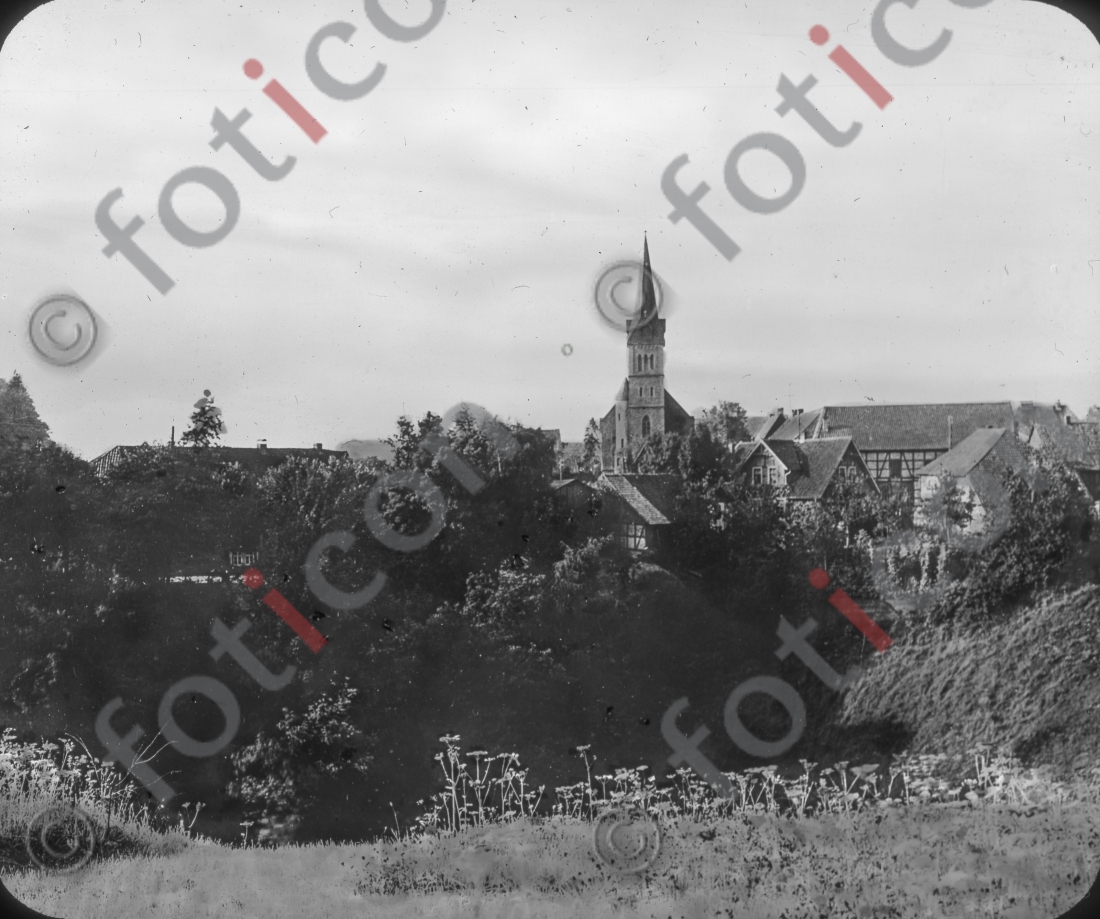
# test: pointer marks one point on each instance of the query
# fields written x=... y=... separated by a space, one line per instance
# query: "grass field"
x=922 y=860
x=841 y=842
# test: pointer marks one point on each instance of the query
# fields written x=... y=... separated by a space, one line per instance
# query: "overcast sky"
x=441 y=242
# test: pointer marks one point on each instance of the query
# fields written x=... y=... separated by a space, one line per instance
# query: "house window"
x=757 y=475
x=645 y=426
x=773 y=475
x=895 y=468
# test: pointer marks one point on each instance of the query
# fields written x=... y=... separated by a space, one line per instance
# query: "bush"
x=277 y=775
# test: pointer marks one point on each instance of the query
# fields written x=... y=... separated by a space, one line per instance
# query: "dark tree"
x=206 y=423
x=592 y=459
x=20 y=425
x=727 y=423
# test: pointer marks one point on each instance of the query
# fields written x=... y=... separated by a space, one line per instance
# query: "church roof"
x=674 y=412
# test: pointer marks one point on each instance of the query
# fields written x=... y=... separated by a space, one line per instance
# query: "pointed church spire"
x=649 y=296
x=647 y=314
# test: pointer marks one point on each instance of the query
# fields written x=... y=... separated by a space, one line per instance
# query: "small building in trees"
x=643 y=406
x=638 y=508
x=977 y=466
x=256 y=460
x=1076 y=442
x=215 y=560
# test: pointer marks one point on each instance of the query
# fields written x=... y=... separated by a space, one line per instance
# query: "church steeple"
x=647 y=315
x=642 y=406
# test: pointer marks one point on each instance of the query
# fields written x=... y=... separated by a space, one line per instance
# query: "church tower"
x=642 y=407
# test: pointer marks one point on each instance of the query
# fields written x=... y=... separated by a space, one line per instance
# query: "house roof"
x=787 y=453
x=253 y=459
x=572 y=452
x=651 y=496
x=760 y=427
x=811 y=465
x=911 y=427
x=753 y=424
x=1089 y=432
x=797 y=425
x=963 y=458
x=564 y=483
x=820 y=459
x=1045 y=425
x=743 y=451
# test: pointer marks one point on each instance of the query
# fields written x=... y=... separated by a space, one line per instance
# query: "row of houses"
x=907 y=450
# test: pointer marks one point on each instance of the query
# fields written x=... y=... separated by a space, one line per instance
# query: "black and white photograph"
x=585 y=458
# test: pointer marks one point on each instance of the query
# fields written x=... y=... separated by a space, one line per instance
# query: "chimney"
x=172 y=442
x=261 y=445
x=318 y=447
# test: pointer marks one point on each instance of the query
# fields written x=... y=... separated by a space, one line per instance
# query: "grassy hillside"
x=1031 y=682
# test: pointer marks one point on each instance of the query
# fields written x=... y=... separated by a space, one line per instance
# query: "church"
x=643 y=406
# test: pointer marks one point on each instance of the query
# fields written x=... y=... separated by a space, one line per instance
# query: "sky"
x=441 y=242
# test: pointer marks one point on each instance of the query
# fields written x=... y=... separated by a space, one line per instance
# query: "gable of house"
x=822 y=461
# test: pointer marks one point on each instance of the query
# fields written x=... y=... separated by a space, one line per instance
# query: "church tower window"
x=645 y=426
